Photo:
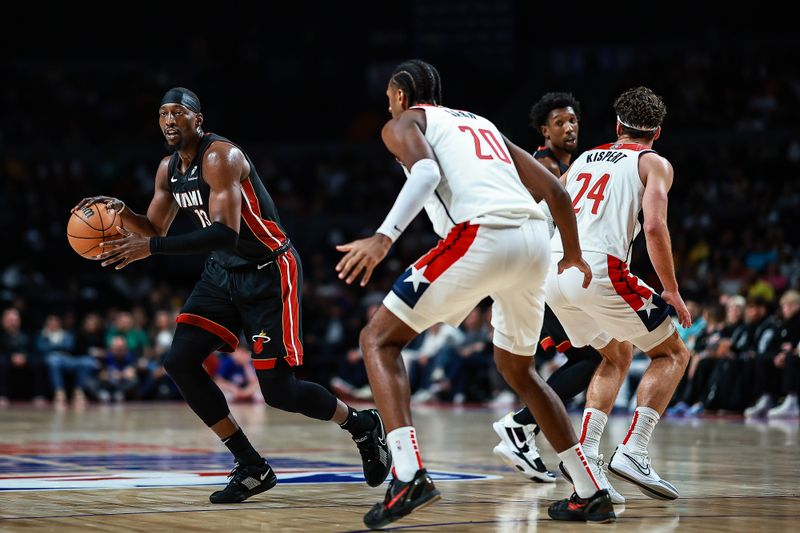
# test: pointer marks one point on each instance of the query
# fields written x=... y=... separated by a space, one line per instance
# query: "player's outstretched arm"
x=657 y=174
x=403 y=137
x=544 y=185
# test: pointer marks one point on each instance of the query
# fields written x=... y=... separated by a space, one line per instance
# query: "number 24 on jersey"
x=595 y=193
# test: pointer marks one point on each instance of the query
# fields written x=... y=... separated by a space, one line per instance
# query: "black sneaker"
x=245 y=481
x=401 y=499
x=597 y=508
x=375 y=455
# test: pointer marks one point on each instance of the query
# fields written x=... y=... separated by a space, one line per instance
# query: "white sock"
x=644 y=421
x=405 y=452
x=594 y=422
x=578 y=467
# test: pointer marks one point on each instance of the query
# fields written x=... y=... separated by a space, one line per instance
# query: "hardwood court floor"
x=732 y=476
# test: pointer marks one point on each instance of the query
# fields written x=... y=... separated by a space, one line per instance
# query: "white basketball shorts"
x=509 y=264
x=616 y=305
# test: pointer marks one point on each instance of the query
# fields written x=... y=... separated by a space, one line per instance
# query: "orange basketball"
x=89 y=226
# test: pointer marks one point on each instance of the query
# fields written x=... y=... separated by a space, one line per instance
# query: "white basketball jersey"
x=479 y=181
x=606 y=193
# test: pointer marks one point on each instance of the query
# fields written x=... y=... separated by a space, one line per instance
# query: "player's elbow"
x=426 y=174
x=225 y=236
x=654 y=228
x=557 y=195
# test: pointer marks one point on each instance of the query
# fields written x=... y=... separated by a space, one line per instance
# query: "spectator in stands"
x=237 y=377
x=785 y=360
x=117 y=378
x=135 y=337
x=18 y=363
x=426 y=363
x=468 y=362
x=763 y=379
x=61 y=353
x=154 y=383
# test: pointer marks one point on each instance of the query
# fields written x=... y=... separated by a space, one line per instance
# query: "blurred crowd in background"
x=73 y=331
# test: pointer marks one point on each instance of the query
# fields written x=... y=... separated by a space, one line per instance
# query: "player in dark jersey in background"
x=252 y=282
x=556 y=116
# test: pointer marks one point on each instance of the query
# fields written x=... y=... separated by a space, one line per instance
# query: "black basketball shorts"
x=262 y=302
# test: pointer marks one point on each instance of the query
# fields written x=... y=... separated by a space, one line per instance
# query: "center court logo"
x=259 y=340
x=291 y=472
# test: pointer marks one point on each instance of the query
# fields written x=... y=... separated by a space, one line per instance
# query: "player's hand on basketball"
x=360 y=256
x=580 y=264
x=675 y=300
x=114 y=205
x=124 y=250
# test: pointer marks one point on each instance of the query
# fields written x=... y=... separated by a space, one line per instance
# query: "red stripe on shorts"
x=290 y=316
x=626 y=285
x=231 y=341
x=448 y=251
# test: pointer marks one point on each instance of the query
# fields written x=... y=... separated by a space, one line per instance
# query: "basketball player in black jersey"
x=556 y=116
x=252 y=282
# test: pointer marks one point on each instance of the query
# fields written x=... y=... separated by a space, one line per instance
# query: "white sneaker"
x=635 y=468
x=596 y=465
x=787 y=409
x=760 y=408
x=518 y=450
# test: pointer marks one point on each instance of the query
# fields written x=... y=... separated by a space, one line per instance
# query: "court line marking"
x=248 y=506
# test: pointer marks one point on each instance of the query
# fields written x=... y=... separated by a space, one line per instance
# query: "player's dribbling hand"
x=675 y=300
x=578 y=263
x=113 y=205
x=125 y=250
x=362 y=255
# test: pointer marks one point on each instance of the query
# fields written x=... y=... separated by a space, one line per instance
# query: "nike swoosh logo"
x=264 y=475
x=521 y=456
x=173 y=179
x=515 y=439
x=644 y=469
x=259 y=267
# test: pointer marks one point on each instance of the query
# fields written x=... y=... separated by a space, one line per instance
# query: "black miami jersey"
x=544 y=151
x=261 y=236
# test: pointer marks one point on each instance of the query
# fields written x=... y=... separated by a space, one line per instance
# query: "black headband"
x=182 y=96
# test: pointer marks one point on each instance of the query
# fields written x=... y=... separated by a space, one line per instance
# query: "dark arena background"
x=94 y=435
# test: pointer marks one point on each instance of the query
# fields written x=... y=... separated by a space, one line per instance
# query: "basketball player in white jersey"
x=609 y=186
x=476 y=188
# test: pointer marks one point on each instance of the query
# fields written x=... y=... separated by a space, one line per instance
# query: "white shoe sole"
x=502 y=451
x=658 y=490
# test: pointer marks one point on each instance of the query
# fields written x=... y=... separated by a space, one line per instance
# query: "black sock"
x=357 y=422
x=524 y=417
x=242 y=450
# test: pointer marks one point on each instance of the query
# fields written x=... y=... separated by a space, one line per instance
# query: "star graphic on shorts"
x=416 y=277
x=649 y=305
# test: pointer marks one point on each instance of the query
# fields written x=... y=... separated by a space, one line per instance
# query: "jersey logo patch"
x=259 y=340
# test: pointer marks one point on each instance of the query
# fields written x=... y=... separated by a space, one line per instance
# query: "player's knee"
x=681 y=356
x=515 y=369
x=281 y=400
x=174 y=363
x=373 y=340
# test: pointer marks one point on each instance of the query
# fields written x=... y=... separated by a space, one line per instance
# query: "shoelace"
x=600 y=463
x=233 y=471
x=237 y=473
